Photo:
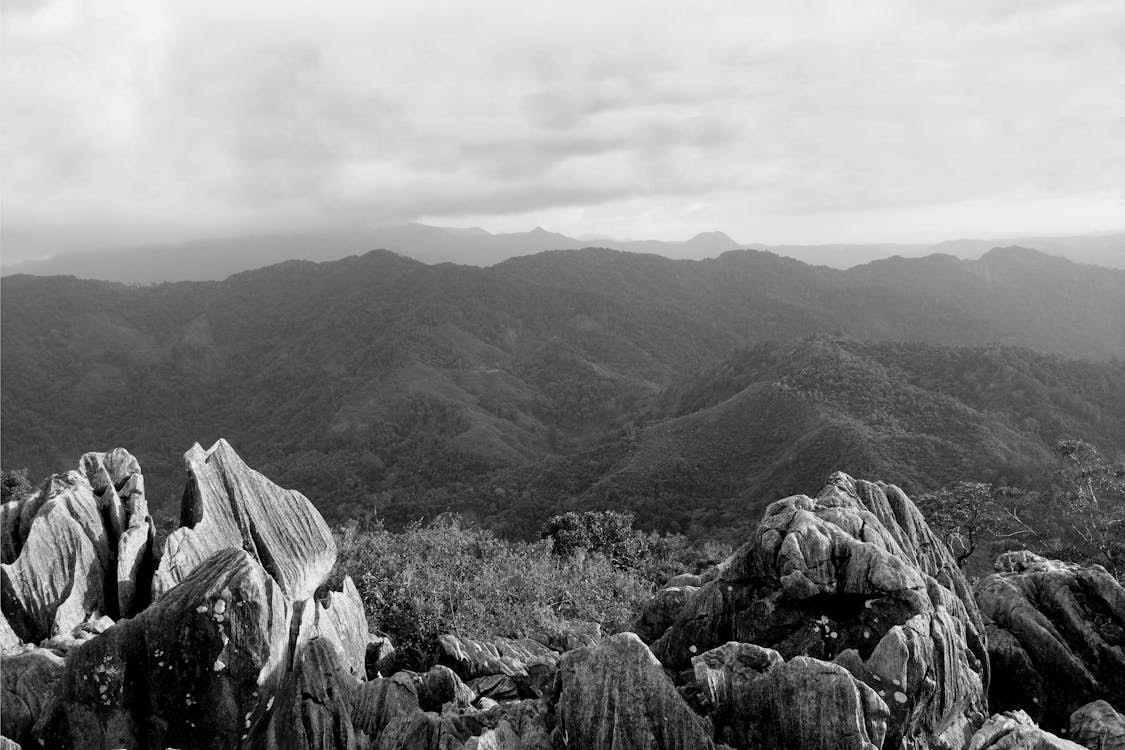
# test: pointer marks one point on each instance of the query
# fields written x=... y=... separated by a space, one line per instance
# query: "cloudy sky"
x=130 y=123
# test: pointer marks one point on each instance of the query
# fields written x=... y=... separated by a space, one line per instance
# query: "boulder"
x=228 y=504
x=1098 y=726
x=757 y=699
x=1056 y=637
x=441 y=685
x=856 y=577
x=1014 y=730
x=29 y=680
x=616 y=695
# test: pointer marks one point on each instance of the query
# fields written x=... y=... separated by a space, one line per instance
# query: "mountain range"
x=688 y=391
x=215 y=259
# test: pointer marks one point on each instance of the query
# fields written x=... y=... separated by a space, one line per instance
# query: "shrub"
x=605 y=532
x=447 y=576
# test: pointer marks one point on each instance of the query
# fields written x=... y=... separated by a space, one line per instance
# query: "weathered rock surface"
x=472 y=658
x=338 y=616
x=1014 y=730
x=660 y=612
x=29 y=680
x=194 y=670
x=759 y=700
x=616 y=695
x=76 y=548
x=228 y=504
x=1056 y=637
x=58 y=577
x=1098 y=726
x=854 y=576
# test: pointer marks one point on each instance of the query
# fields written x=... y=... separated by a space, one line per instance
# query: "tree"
x=964 y=515
x=1090 y=494
x=606 y=532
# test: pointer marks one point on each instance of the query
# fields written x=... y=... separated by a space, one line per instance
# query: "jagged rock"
x=441 y=685
x=498 y=687
x=1098 y=726
x=10 y=539
x=1056 y=636
x=660 y=611
x=9 y=641
x=110 y=469
x=7 y=744
x=616 y=695
x=684 y=579
x=188 y=672
x=312 y=710
x=472 y=658
x=381 y=706
x=854 y=576
x=134 y=566
x=57 y=579
x=379 y=659
x=29 y=680
x=228 y=504
x=1014 y=730
x=759 y=700
x=339 y=617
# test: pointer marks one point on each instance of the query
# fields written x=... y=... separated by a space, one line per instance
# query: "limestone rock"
x=1098 y=726
x=339 y=617
x=1056 y=637
x=379 y=659
x=759 y=700
x=8 y=639
x=1014 y=730
x=58 y=578
x=854 y=576
x=29 y=680
x=381 y=707
x=228 y=504
x=7 y=744
x=616 y=695
x=472 y=658
x=660 y=611
x=312 y=710
x=441 y=685
x=189 y=672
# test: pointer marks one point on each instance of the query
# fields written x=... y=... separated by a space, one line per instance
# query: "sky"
x=797 y=121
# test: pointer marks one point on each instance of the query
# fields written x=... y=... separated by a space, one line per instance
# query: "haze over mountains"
x=575 y=378
x=215 y=259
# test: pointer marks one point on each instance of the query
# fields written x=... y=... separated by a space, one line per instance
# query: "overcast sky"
x=887 y=120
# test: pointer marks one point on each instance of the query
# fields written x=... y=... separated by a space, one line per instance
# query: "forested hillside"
x=573 y=378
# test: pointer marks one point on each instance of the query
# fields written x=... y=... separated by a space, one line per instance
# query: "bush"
x=446 y=576
x=604 y=532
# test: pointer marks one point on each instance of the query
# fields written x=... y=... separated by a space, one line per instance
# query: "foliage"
x=605 y=532
x=964 y=516
x=448 y=576
x=14 y=485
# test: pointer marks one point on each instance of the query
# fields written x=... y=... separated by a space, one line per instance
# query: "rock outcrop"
x=855 y=577
x=1098 y=726
x=77 y=548
x=228 y=504
x=1056 y=634
x=1014 y=730
x=757 y=699
x=616 y=695
x=29 y=679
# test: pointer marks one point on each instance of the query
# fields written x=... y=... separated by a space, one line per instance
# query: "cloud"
x=143 y=121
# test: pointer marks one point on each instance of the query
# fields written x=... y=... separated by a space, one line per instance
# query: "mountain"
x=506 y=391
x=215 y=259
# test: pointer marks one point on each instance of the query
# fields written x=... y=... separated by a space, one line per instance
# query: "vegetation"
x=449 y=576
x=1078 y=516
x=14 y=485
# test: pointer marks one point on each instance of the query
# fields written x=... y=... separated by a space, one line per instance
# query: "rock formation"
x=1014 y=730
x=1056 y=634
x=76 y=549
x=854 y=577
x=1098 y=726
x=616 y=696
x=228 y=504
